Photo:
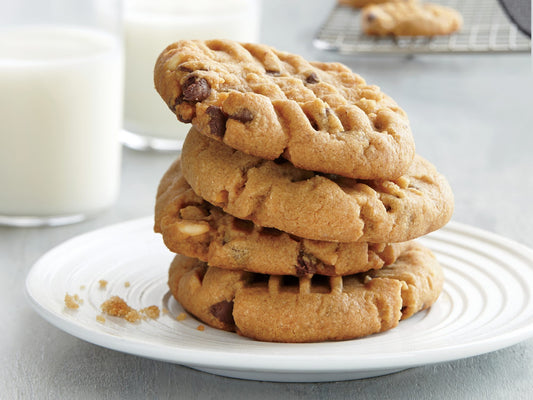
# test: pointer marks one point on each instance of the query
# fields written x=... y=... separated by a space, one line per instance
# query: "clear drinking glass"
x=150 y=26
x=61 y=94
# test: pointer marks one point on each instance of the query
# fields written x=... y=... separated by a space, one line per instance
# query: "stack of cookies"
x=293 y=205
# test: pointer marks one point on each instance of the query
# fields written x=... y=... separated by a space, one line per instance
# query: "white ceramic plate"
x=486 y=305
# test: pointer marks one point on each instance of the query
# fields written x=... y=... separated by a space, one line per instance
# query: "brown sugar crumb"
x=72 y=302
x=181 y=316
x=117 y=307
x=126 y=284
x=201 y=328
x=100 y=318
x=151 y=312
x=103 y=283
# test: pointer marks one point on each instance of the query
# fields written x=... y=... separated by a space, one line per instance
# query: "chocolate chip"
x=312 y=78
x=306 y=264
x=183 y=68
x=223 y=311
x=217 y=121
x=195 y=89
x=244 y=115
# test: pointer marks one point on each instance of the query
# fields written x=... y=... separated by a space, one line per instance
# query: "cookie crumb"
x=151 y=312
x=100 y=318
x=72 y=302
x=126 y=284
x=117 y=307
x=103 y=283
x=133 y=316
x=181 y=316
x=82 y=287
x=164 y=310
x=201 y=328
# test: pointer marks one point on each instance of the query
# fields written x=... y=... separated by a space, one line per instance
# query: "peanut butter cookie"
x=410 y=19
x=310 y=308
x=271 y=104
x=317 y=206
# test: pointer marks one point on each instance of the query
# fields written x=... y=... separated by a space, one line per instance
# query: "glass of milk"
x=150 y=26
x=61 y=95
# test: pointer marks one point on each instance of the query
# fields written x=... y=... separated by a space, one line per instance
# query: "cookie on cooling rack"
x=409 y=18
x=310 y=308
x=269 y=103
x=195 y=228
x=317 y=206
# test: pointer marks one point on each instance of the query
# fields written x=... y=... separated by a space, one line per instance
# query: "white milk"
x=60 y=116
x=149 y=28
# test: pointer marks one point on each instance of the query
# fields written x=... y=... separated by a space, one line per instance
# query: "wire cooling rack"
x=486 y=29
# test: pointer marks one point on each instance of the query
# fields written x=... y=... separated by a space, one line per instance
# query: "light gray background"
x=472 y=116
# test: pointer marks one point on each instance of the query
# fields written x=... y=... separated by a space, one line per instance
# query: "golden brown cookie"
x=195 y=228
x=317 y=206
x=410 y=19
x=268 y=103
x=311 y=308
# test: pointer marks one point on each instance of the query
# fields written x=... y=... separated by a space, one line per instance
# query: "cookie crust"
x=269 y=103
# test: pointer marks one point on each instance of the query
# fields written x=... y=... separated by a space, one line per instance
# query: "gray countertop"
x=471 y=115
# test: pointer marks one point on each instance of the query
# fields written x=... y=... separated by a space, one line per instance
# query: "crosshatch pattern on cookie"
x=308 y=308
x=317 y=206
x=269 y=103
x=195 y=228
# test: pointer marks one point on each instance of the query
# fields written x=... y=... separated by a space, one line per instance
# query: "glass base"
x=144 y=143
x=28 y=222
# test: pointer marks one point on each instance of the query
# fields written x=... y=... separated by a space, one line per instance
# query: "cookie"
x=195 y=228
x=271 y=104
x=310 y=308
x=317 y=206
x=409 y=19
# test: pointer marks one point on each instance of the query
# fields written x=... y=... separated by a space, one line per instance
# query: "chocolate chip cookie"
x=310 y=308
x=410 y=19
x=313 y=205
x=195 y=228
x=271 y=104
